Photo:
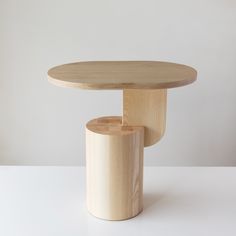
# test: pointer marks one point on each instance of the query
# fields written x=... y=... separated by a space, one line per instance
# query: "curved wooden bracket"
x=147 y=108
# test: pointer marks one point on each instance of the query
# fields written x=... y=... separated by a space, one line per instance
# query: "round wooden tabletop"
x=122 y=75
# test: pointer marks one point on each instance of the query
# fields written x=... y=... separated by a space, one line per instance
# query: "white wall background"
x=44 y=124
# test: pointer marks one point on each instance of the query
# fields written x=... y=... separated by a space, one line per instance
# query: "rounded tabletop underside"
x=122 y=75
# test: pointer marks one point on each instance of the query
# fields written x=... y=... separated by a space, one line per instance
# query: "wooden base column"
x=114 y=164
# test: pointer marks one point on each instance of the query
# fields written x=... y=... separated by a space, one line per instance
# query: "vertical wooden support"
x=114 y=154
x=114 y=165
x=147 y=108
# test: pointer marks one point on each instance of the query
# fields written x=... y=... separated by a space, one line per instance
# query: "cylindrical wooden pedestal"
x=114 y=165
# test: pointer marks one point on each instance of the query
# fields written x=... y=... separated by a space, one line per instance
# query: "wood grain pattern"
x=114 y=145
x=114 y=165
x=147 y=108
x=122 y=75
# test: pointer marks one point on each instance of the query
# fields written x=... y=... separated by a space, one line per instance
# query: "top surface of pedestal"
x=122 y=75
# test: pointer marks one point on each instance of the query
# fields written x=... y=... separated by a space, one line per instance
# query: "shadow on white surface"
x=182 y=205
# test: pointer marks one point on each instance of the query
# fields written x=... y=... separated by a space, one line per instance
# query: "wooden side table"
x=114 y=145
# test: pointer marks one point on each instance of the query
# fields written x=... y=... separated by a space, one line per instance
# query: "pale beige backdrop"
x=42 y=124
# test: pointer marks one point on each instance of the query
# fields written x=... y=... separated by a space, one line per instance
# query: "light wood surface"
x=114 y=165
x=114 y=145
x=147 y=108
x=122 y=75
